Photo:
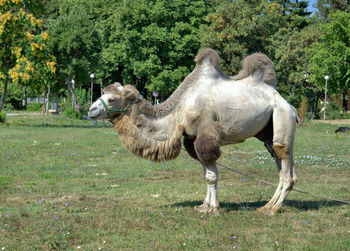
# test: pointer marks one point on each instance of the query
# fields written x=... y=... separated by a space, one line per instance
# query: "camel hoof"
x=207 y=209
x=202 y=208
x=213 y=211
x=267 y=210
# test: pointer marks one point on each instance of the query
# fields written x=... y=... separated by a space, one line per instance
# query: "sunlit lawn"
x=67 y=185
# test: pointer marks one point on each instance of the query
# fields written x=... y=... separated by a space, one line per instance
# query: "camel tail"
x=259 y=66
x=211 y=55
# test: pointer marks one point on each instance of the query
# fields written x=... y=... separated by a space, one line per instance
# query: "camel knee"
x=211 y=178
x=207 y=148
x=281 y=151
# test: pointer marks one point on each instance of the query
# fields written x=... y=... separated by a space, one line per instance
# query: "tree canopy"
x=152 y=43
x=331 y=55
x=24 y=56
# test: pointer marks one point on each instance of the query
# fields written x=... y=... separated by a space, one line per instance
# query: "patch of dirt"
x=334 y=121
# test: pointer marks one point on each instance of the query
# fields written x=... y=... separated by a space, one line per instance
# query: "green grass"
x=65 y=184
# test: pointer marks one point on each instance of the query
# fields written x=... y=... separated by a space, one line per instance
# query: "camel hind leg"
x=281 y=148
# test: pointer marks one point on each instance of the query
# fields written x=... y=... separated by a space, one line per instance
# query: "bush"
x=83 y=98
x=333 y=111
x=8 y=107
x=2 y=116
x=34 y=107
x=70 y=112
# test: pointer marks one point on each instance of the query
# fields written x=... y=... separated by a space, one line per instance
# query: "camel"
x=209 y=109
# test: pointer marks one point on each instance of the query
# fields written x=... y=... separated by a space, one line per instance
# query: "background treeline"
x=152 y=43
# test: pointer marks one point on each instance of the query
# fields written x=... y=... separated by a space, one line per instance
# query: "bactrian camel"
x=208 y=109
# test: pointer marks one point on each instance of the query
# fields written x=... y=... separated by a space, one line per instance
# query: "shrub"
x=34 y=107
x=2 y=116
x=83 y=98
x=333 y=111
x=8 y=107
x=70 y=112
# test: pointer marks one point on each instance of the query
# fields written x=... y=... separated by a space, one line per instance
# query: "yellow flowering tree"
x=24 y=58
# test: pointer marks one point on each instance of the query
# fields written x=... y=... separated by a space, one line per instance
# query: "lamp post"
x=92 y=86
x=325 y=97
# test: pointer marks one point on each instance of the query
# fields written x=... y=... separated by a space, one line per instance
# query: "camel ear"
x=130 y=93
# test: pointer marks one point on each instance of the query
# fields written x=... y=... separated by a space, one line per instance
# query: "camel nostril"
x=93 y=109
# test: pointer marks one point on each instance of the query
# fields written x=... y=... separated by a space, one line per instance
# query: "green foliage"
x=325 y=7
x=15 y=96
x=34 y=107
x=151 y=44
x=288 y=47
x=8 y=107
x=24 y=58
x=74 y=41
x=333 y=111
x=83 y=98
x=331 y=55
x=239 y=28
x=2 y=116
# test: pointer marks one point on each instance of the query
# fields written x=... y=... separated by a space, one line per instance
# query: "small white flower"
x=78 y=247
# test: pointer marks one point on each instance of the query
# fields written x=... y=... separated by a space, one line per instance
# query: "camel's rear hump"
x=260 y=66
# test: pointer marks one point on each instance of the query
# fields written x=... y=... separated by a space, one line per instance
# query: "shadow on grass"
x=61 y=126
x=302 y=205
x=69 y=126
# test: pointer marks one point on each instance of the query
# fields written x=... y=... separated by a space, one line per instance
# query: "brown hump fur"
x=145 y=147
x=168 y=105
x=260 y=62
x=210 y=54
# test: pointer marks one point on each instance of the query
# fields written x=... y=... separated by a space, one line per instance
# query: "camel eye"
x=111 y=100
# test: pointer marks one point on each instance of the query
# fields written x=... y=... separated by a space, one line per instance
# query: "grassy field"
x=67 y=185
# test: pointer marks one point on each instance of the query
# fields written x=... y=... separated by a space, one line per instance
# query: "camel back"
x=257 y=65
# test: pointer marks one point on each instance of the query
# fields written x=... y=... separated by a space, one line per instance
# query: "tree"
x=152 y=43
x=75 y=43
x=288 y=49
x=240 y=28
x=295 y=12
x=325 y=7
x=331 y=55
x=24 y=58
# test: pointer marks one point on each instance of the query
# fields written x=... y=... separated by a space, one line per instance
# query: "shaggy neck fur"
x=131 y=128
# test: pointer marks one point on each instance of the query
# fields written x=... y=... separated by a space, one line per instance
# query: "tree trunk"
x=25 y=98
x=43 y=103
x=348 y=108
x=48 y=99
x=4 y=94
x=344 y=101
x=72 y=91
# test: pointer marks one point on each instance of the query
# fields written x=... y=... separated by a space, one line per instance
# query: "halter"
x=113 y=110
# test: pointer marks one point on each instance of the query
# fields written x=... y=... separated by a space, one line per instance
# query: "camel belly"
x=242 y=126
x=243 y=111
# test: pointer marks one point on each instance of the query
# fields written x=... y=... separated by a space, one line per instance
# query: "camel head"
x=115 y=100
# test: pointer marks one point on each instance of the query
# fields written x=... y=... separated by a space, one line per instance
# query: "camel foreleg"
x=208 y=151
x=211 y=203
